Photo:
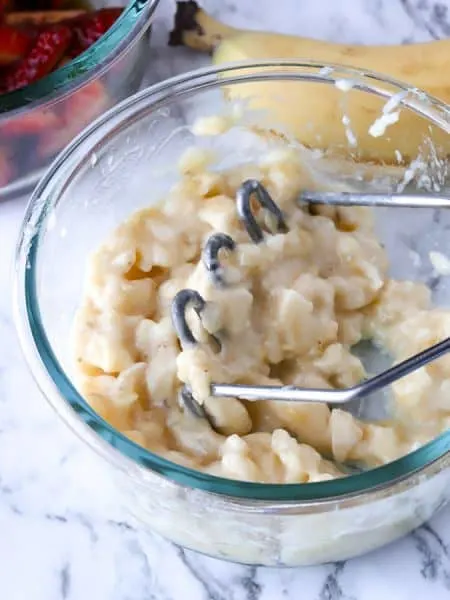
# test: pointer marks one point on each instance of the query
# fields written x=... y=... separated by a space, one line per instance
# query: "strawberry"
x=88 y=28
x=31 y=123
x=37 y=19
x=77 y=111
x=48 y=49
x=14 y=44
x=86 y=104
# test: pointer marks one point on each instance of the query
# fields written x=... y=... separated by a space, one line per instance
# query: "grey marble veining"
x=63 y=532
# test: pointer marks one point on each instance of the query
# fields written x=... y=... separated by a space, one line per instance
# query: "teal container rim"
x=128 y=28
x=57 y=385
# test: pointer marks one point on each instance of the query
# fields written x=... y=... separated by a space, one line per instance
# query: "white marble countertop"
x=60 y=539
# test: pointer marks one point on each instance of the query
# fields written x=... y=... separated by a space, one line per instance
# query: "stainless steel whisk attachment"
x=254 y=188
x=192 y=299
x=184 y=299
x=210 y=256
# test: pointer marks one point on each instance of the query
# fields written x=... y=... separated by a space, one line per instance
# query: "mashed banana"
x=291 y=310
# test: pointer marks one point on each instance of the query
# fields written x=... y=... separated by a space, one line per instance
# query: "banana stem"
x=194 y=28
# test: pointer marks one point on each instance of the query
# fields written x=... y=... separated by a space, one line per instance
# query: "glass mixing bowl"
x=125 y=161
x=37 y=121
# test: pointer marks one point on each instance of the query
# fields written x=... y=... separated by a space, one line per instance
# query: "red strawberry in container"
x=48 y=49
x=38 y=37
x=33 y=21
x=14 y=44
x=78 y=110
x=33 y=123
x=90 y=27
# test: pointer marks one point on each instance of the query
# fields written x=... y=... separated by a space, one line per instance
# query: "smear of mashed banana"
x=292 y=309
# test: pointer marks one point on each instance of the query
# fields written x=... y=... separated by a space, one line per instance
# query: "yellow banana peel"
x=325 y=116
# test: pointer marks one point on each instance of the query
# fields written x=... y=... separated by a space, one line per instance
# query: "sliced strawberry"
x=14 y=44
x=78 y=111
x=88 y=28
x=48 y=49
x=31 y=123
x=40 y=18
x=86 y=104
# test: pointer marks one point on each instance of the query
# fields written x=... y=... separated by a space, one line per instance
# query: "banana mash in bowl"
x=141 y=212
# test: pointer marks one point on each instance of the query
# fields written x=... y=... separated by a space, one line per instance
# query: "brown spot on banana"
x=194 y=28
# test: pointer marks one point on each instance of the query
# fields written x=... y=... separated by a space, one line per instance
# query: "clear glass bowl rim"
x=57 y=386
x=128 y=28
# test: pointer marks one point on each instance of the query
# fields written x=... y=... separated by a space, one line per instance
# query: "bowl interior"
x=127 y=161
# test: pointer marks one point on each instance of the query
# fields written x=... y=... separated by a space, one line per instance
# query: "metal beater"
x=210 y=257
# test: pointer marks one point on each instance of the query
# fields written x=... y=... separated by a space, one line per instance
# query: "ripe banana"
x=323 y=115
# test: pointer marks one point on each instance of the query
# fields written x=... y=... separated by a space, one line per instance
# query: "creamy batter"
x=292 y=309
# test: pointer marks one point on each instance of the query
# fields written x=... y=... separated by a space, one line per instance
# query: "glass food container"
x=37 y=121
x=125 y=161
